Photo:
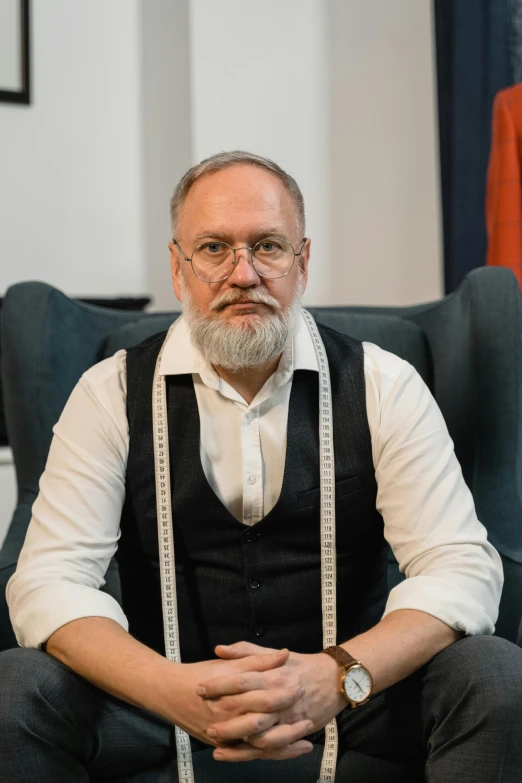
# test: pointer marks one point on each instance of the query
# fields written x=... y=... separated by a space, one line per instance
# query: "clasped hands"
x=269 y=702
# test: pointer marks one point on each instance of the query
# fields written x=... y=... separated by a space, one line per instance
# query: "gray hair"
x=225 y=160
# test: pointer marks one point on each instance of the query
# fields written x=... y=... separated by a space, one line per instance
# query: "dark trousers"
x=457 y=720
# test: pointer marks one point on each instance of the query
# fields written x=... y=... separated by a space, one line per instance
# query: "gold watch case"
x=362 y=683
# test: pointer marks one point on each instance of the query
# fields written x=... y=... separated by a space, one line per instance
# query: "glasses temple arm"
x=302 y=245
x=175 y=242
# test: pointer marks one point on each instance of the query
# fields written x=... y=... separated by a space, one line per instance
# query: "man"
x=242 y=386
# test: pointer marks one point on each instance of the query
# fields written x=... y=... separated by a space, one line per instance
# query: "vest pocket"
x=343 y=487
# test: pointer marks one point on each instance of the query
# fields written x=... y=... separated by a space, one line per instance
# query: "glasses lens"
x=273 y=257
x=213 y=261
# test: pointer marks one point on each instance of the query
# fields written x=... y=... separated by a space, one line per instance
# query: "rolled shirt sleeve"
x=430 y=522
x=75 y=524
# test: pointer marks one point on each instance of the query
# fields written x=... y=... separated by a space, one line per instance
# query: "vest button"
x=251 y=535
x=254 y=583
x=259 y=630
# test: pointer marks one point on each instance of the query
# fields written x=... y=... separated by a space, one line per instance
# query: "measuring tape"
x=166 y=539
x=328 y=548
x=166 y=548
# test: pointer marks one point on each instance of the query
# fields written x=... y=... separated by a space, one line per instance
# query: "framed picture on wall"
x=14 y=51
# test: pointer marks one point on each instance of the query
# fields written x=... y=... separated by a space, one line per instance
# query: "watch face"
x=358 y=684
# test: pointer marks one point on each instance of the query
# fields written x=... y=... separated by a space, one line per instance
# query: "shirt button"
x=259 y=630
x=252 y=480
x=249 y=414
x=254 y=583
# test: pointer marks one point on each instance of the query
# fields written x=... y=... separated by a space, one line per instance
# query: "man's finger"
x=281 y=735
x=263 y=662
x=232 y=684
x=253 y=663
x=240 y=650
x=242 y=726
x=245 y=752
x=239 y=683
x=255 y=701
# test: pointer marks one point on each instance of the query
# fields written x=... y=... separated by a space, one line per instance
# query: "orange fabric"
x=504 y=187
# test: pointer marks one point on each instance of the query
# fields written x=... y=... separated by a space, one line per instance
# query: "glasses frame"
x=234 y=263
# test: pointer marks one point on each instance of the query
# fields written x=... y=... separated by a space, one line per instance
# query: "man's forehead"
x=242 y=190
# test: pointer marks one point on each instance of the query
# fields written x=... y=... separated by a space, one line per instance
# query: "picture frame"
x=15 y=51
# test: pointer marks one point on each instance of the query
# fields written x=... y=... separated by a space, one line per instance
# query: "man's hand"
x=271 y=728
x=263 y=706
x=142 y=677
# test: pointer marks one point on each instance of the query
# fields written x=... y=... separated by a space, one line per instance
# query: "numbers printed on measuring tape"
x=166 y=540
x=328 y=549
x=166 y=550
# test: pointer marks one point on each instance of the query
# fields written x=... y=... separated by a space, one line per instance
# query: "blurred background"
x=381 y=109
x=346 y=95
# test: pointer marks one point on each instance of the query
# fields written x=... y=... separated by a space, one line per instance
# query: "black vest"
x=260 y=583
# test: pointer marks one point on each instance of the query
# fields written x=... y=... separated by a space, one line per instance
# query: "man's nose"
x=243 y=274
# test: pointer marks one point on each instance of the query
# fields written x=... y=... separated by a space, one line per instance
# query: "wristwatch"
x=355 y=681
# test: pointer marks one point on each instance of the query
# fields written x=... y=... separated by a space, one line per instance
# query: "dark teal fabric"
x=388 y=331
x=136 y=332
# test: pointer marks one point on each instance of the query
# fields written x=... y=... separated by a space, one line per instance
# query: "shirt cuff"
x=444 y=600
x=36 y=622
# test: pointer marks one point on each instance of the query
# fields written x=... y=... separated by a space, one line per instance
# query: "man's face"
x=239 y=206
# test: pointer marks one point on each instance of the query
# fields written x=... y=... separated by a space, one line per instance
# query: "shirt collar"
x=180 y=356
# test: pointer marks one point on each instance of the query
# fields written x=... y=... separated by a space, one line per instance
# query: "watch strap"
x=340 y=656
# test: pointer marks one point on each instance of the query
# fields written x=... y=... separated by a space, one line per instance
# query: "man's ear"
x=175 y=269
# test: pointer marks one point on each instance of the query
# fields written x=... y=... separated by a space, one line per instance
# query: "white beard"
x=241 y=346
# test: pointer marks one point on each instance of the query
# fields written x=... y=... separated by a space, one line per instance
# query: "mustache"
x=231 y=297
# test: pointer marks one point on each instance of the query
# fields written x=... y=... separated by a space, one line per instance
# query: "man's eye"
x=268 y=247
x=214 y=247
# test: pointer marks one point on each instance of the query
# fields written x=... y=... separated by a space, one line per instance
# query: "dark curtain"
x=477 y=54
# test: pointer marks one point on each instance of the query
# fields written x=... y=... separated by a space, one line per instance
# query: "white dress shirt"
x=452 y=571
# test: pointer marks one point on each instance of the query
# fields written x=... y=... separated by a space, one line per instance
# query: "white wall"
x=71 y=202
x=341 y=93
x=166 y=136
x=129 y=93
x=260 y=83
x=384 y=153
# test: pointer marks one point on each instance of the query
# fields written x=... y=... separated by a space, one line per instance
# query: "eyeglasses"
x=213 y=262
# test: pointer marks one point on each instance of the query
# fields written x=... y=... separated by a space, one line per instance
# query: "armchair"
x=467 y=347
